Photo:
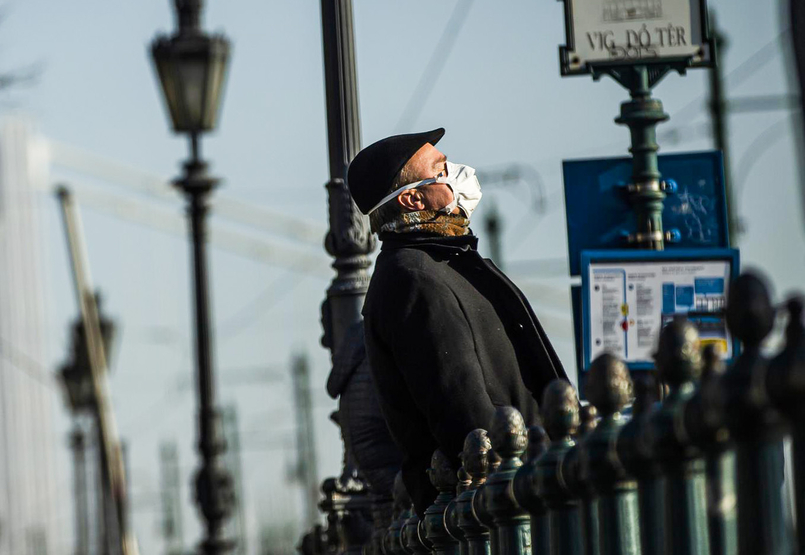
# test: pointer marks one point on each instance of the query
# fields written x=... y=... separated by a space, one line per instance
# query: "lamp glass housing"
x=192 y=72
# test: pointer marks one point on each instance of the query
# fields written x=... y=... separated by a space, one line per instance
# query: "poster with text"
x=631 y=301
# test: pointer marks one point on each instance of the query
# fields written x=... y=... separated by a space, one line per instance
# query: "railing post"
x=413 y=537
x=589 y=504
x=443 y=477
x=525 y=493
x=579 y=485
x=679 y=363
x=786 y=385
x=560 y=414
x=480 y=505
x=346 y=508
x=756 y=428
x=382 y=507
x=634 y=452
x=327 y=506
x=704 y=425
x=451 y=512
x=313 y=542
x=609 y=389
x=476 y=463
x=401 y=513
x=511 y=521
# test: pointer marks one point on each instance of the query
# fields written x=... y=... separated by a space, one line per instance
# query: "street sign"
x=628 y=296
x=600 y=216
x=606 y=33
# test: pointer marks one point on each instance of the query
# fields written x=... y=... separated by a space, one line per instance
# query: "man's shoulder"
x=405 y=260
x=402 y=273
x=403 y=269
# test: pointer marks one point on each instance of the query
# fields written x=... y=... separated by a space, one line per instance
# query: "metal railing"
x=698 y=467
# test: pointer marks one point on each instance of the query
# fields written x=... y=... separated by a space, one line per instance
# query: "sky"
x=500 y=96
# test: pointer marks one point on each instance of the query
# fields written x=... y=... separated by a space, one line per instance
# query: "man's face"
x=428 y=162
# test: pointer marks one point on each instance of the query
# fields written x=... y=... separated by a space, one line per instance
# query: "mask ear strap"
x=396 y=193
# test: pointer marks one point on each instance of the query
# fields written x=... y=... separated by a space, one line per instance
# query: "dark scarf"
x=428 y=221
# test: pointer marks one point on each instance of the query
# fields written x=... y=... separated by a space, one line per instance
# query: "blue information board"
x=627 y=296
x=599 y=215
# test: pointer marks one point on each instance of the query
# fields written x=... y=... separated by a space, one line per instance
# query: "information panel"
x=628 y=300
x=633 y=31
x=600 y=215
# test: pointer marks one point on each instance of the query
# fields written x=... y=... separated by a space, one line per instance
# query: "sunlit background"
x=85 y=111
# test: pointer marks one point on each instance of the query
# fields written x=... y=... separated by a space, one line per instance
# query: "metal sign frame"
x=596 y=69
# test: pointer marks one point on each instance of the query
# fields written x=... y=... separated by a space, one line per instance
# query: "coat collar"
x=392 y=241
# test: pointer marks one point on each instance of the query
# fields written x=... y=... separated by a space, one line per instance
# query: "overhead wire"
x=762 y=143
x=738 y=75
x=760 y=58
x=435 y=65
x=146 y=419
x=237 y=242
x=155 y=187
x=258 y=306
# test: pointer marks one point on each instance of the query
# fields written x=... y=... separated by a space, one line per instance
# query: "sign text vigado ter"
x=626 y=32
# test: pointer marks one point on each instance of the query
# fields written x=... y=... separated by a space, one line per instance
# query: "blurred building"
x=27 y=388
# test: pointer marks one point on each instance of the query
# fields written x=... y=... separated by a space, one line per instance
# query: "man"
x=448 y=336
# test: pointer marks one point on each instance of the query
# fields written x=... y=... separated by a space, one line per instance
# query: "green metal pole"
x=787 y=389
x=480 y=506
x=635 y=453
x=704 y=425
x=756 y=428
x=799 y=479
x=444 y=479
x=578 y=484
x=679 y=363
x=413 y=537
x=560 y=413
x=475 y=457
x=525 y=492
x=402 y=512
x=609 y=388
x=511 y=521
x=451 y=512
x=642 y=114
x=589 y=511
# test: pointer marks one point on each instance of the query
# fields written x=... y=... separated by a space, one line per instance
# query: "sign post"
x=627 y=296
x=637 y=42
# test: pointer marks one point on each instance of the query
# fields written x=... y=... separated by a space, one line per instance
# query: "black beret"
x=372 y=172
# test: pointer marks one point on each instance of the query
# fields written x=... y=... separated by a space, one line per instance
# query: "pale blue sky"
x=501 y=99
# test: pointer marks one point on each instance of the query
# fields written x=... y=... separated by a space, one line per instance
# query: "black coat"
x=449 y=338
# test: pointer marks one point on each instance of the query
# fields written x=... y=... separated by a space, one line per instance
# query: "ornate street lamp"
x=76 y=377
x=192 y=69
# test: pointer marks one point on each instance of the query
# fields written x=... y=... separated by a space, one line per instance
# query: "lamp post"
x=192 y=69
x=76 y=377
x=349 y=239
x=77 y=381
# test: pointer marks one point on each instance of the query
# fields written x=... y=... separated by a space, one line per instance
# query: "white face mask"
x=465 y=186
x=462 y=182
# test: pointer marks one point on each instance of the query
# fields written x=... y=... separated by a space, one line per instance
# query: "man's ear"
x=411 y=200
